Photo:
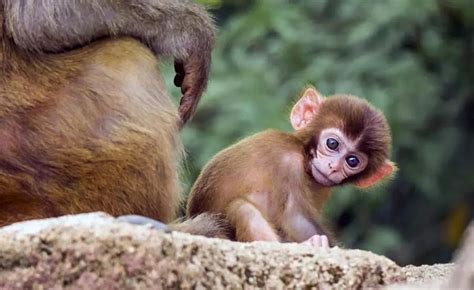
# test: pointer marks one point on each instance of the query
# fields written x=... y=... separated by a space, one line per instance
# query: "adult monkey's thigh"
x=93 y=128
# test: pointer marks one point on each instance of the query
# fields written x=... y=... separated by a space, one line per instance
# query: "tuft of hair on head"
x=360 y=120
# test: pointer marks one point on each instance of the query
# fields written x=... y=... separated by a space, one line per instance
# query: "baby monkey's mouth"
x=318 y=176
x=313 y=170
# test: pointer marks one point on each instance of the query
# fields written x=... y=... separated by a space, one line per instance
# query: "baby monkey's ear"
x=385 y=170
x=305 y=108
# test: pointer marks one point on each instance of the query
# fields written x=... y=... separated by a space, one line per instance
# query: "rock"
x=93 y=251
x=424 y=277
x=463 y=274
x=427 y=273
x=459 y=275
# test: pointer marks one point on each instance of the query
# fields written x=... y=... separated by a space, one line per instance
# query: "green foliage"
x=413 y=60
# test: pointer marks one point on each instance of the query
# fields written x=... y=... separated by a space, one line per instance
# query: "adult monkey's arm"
x=180 y=29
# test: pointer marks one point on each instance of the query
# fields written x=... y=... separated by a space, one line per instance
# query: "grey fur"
x=170 y=27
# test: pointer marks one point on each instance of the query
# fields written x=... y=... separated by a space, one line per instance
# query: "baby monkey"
x=272 y=186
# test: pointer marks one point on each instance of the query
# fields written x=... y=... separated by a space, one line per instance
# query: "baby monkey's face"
x=345 y=139
x=335 y=158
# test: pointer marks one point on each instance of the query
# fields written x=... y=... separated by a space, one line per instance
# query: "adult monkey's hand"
x=191 y=77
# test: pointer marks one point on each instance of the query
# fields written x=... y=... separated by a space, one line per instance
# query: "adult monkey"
x=86 y=123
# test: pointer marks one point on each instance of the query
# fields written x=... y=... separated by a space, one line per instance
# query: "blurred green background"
x=412 y=59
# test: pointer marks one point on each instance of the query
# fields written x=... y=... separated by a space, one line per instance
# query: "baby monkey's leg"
x=249 y=222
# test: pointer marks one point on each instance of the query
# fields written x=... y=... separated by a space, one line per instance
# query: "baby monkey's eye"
x=352 y=161
x=332 y=143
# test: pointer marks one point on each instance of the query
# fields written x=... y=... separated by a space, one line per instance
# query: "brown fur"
x=92 y=128
x=235 y=181
x=254 y=165
x=208 y=225
x=84 y=137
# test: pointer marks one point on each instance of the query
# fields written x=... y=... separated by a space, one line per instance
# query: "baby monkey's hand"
x=317 y=241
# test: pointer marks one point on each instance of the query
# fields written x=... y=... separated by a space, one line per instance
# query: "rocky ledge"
x=92 y=251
